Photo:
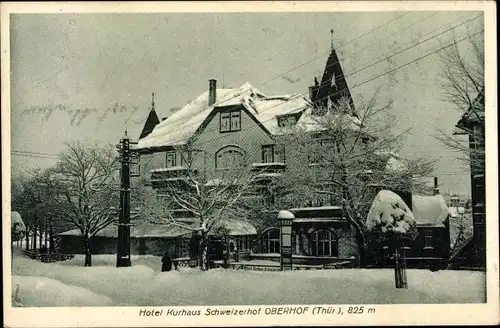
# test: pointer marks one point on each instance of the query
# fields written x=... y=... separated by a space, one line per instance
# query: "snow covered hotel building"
x=241 y=127
x=236 y=128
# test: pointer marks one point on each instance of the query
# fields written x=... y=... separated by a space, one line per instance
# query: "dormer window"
x=230 y=121
x=287 y=121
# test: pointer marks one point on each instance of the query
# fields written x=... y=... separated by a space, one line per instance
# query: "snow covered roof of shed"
x=141 y=229
x=183 y=124
x=146 y=229
x=429 y=210
x=237 y=227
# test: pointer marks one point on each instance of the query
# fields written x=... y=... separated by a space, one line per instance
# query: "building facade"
x=471 y=124
x=223 y=128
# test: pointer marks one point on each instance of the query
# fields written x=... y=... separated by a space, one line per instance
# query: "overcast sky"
x=97 y=60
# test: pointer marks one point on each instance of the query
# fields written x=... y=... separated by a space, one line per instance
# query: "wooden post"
x=399 y=264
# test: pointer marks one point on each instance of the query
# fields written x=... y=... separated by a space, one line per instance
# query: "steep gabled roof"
x=333 y=87
x=265 y=110
x=150 y=124
x=473 y=115
x=182 y=125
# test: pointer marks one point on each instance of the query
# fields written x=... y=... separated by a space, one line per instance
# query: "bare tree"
x=207 y=199
x=347 y=159
x=462 y=83
x=31 y=198
x=85 y=189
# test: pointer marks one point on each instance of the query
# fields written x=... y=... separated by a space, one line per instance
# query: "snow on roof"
x=326 y=208
x=141 y=229
x=146 y=229
x=181 y=126
x=310 y=122
x=168 y=169
x=267 y=164
x=429 y=210
x=237 y=227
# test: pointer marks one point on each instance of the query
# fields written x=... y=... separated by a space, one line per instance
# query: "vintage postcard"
x=249 y=163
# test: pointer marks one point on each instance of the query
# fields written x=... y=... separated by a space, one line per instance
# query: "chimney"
x=212 y=92
x=436 y=188
x=312 y=90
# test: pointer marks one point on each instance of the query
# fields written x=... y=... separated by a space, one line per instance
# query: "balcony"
x=162 y=176
x=267 y=171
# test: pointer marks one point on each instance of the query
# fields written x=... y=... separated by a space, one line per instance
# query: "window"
x=320 y=199
x=134 y=165
x=479 y=194
x=280 y=154
x=242 y=243
x=324 y=243
x=268 y=154
x=230 y=121
x=428 y=242
x=229 y=157
x=171 y=162
x=334 y=80
x=271 y=241
x=235 y=121
x=287 y=121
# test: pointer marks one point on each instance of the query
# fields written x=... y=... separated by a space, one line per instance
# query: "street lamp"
x=286 y=220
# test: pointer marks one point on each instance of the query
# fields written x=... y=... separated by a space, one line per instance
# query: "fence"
x=184 y=262
x=275 y=267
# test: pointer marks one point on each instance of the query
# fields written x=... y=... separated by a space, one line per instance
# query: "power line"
x=326 y=97
x=349 y=42
x=382 y=59
x=303 y=64
x=265 y=82
x=343 y=90
x=52 y=156
x=410 y=47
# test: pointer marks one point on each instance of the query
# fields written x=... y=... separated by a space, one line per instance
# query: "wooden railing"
x=184 y=262
x=276 y=267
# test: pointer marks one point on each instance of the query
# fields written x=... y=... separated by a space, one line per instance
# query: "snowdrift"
x=35 y=291
x=140 y=285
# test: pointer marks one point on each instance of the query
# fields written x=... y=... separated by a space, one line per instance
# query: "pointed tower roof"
x=151 y=121
x=333 y=86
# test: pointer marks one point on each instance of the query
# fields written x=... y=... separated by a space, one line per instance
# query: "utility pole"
x=123 y=243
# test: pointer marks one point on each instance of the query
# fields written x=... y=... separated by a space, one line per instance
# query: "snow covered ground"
x=69 y=283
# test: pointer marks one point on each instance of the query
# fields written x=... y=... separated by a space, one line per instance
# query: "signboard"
x=286 y=221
